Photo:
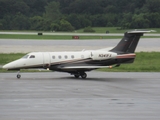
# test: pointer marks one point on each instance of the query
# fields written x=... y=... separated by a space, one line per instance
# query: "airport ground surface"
x=25 y=46
x=75 y=34
x=59 y=96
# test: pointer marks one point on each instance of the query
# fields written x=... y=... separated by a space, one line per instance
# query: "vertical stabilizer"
x=129 y=42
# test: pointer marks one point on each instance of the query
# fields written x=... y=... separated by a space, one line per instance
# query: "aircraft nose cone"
x=4 y=67
x=12 y=65
x=8 y=66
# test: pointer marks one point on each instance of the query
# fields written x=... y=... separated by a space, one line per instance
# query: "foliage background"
x=69 y=15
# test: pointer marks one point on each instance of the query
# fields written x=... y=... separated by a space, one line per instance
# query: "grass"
x=144 y=62
x=54 y=37
x=38 y=37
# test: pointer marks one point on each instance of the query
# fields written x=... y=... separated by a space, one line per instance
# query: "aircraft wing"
x=85 y=67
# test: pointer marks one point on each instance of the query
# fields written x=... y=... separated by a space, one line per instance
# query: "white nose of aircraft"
x=5 y=66
x=8 y=66
x=11 y=65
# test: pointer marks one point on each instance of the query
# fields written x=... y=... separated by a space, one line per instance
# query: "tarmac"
x=153 y=33
x=25 y=46
x=101 y=96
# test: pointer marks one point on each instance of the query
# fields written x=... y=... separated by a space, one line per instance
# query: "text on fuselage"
x=105 y=55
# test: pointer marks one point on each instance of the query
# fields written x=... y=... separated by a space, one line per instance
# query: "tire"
x=18 y=76
x=84 y=75
x=76 y=76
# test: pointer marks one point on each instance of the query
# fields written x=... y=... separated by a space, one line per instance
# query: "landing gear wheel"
x=76 y=76
x=18 y=76
x=83 y=75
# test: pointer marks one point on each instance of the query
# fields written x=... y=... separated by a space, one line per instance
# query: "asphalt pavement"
x=59 y=96
x=25 y=46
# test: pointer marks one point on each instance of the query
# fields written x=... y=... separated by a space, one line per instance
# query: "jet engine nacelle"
x=102 y=55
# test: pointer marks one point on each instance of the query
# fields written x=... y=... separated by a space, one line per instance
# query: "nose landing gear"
x=18 y=75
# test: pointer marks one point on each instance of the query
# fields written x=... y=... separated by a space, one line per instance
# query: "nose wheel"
x=18 y=75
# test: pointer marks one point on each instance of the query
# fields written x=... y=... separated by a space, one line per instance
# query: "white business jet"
x=78 y=63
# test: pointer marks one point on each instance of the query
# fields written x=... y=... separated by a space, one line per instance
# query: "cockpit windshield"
x=28 y=56
x=25 y=57
x=32 y=56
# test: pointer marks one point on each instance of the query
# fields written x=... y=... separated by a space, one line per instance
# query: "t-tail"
x=129 y=42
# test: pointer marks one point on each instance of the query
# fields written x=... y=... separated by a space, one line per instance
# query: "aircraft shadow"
x=98 y=79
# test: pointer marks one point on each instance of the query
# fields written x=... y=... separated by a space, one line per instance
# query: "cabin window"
x=59 y=57
x=53 y=57
x=25 y=57
x=32 y=56
x=72 y=56
x=65 y=56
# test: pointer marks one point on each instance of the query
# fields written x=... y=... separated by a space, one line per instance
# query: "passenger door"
x=46 y=60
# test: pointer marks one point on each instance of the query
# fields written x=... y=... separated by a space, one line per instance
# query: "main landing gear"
x=83 y=75
x=18 y=75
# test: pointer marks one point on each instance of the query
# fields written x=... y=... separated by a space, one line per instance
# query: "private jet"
x=78 y=63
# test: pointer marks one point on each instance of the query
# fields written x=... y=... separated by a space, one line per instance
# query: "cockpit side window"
x=32 y=56
x=25 y=57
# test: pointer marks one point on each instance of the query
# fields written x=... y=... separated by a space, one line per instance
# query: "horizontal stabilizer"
x=141 y=31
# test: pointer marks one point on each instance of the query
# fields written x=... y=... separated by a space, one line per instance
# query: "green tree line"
x=69 y=15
